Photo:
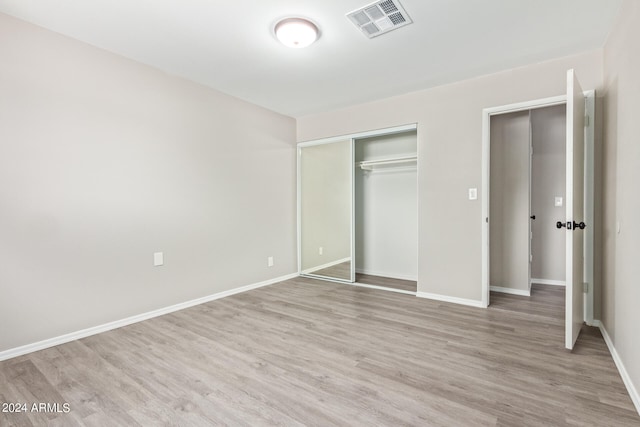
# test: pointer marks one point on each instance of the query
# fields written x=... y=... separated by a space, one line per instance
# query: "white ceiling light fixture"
x=296 y=32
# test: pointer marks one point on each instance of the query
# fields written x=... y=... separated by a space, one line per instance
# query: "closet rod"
x=370 y=164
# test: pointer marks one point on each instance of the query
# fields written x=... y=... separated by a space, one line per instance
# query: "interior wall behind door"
x=509 y=201
x=549 y=181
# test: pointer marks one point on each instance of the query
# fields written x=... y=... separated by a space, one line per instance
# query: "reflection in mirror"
x=325 y=210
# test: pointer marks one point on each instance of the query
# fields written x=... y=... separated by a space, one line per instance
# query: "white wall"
x=548 y=174
x=621 y=266
x=449 y=149
x=104 y=161
x=509 y=205
x=386 y=209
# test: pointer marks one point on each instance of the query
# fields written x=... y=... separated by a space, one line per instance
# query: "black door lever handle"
x=532 y=217
x=560 y=224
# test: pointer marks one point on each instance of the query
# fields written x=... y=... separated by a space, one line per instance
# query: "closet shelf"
x=403 y=162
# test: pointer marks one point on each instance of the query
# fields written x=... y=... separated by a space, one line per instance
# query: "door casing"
x=589 y=189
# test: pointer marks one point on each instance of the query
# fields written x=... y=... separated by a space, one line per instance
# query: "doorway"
x=527 y=193
x=580 y=106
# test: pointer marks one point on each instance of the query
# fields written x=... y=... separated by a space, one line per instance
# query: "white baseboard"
x=511 y=291
x=633 y=391
x=51 y=342
x=382 y=288
x=383 y=274
x=445 y=298
x=549 y=282
x=323 y=266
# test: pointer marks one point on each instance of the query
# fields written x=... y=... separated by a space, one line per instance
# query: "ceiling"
x=230 y=46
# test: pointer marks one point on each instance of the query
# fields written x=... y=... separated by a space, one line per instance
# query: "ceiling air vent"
x=380 y=17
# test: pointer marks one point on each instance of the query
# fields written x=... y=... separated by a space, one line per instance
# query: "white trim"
x=633 y=391
x=549 y=282
x=521 y=292
x=299 y=207
x=530 y=202
x=454 y=300
x=389 y=275
x=527 y=105
x=589 y=204
x=62 y=339
x=484 y=224
x=382 y=288
x=571 y=329
x=323 y=266
x=417 y=254
x=352 y=231
x=365 y=134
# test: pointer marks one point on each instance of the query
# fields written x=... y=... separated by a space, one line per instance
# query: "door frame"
x=487 y=113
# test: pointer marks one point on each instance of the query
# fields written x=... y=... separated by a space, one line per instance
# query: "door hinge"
x=586 y=120
x=585 y=287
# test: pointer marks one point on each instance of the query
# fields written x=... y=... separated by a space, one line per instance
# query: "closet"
x=357 y=209
x=527 y=196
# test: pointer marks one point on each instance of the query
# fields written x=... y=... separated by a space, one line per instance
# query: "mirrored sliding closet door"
x=326 y=210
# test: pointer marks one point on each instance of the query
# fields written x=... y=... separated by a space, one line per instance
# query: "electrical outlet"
x=270 y=261
x=158 y=259
x=557 y=202
x=473 y=194
x=320 y=250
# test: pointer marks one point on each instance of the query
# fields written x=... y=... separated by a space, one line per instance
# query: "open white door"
x=574 y=314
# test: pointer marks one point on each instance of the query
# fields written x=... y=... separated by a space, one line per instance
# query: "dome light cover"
x=296 y=32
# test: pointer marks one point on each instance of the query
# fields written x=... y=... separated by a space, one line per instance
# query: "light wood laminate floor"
x=310 y=352
x=545 y=300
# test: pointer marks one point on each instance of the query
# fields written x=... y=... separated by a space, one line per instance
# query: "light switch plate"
x=158 y=259
x=473 y=194
x=558 y=202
